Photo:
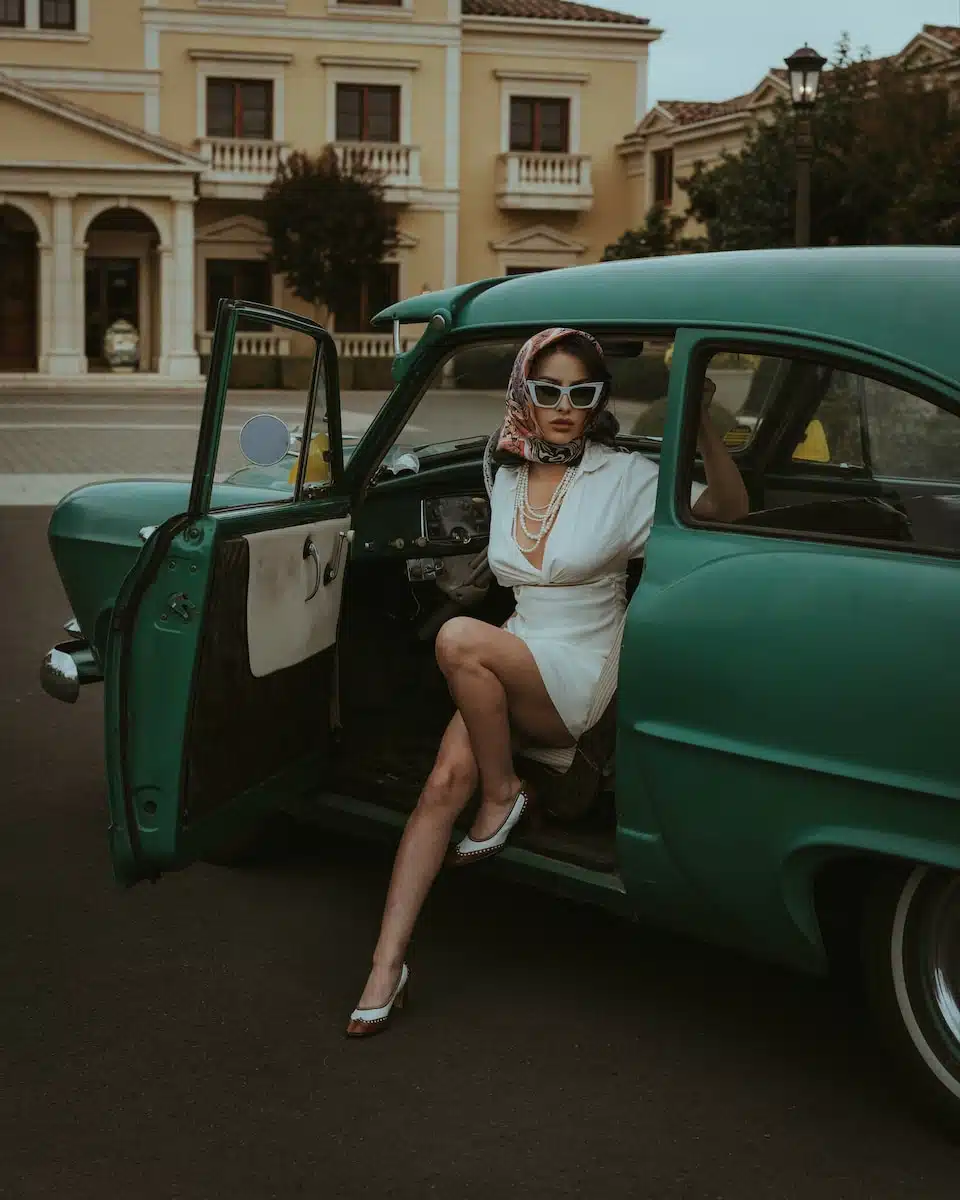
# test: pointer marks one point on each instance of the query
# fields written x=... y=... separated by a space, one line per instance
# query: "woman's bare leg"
x=494 y=681
x=449 y=786
x=491 y=672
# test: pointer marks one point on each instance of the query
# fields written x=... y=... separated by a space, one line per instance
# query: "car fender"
x=809 y=854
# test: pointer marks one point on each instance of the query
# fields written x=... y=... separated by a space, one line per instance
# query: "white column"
x=640 y=105
x=65 y=354
x=178 y=352
x=167 y=292
x=44 y=306
x=451 y=167
x=451 y=131
x=451 y=234
x=78 y=315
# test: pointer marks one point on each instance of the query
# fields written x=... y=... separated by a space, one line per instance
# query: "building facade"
x=137 y=141
x=675 y=134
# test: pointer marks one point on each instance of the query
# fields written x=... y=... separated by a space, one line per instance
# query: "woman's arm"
x=726 y=497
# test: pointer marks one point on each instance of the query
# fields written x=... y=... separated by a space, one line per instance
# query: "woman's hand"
x=726 y=497
x=709 y=391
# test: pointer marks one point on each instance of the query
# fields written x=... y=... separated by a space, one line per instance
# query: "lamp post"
x=805 y=66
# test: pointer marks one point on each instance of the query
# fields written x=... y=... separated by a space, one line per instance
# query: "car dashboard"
x=411 y=525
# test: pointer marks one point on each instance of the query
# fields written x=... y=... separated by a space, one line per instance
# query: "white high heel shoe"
x=469 y=850
x=364 y=1022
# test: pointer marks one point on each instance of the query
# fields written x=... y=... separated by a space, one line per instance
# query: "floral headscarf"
x=519 y=433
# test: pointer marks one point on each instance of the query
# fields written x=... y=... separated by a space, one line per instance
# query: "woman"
x=565 y=518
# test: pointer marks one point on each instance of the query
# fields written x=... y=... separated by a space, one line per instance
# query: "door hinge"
x=181 y=606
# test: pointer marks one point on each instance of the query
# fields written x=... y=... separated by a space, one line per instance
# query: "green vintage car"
x=780 y=770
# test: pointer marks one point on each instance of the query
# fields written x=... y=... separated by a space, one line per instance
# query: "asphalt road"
x=184 y=1041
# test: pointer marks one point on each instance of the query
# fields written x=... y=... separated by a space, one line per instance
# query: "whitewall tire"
x=911 y=958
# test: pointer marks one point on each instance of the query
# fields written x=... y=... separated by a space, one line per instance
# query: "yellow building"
x=138 y=136
x=675 y=134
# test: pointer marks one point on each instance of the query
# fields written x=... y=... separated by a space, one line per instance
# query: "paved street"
x=51 y=443
x=185 y=1040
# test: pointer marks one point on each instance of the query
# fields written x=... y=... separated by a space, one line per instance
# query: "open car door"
x=220 y=659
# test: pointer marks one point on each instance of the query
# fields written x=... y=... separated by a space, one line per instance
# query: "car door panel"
x=292 y=609
x=221 y=653
x=248 y=726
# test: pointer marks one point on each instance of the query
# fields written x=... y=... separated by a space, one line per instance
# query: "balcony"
x=268 y=344
x=239 y=168
x=529 y=179
x=368 y=345
x=398 y=166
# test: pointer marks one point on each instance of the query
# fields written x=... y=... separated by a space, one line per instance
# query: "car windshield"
x=464 y=401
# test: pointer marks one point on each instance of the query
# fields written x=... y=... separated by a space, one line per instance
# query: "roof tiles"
x=946 y=33
x=689 y=112
x=550 y=10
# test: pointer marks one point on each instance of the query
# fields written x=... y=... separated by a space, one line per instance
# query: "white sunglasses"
x=549 y=395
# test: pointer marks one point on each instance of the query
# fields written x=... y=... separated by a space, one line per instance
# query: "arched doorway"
x=121 y=281
x=18 y=291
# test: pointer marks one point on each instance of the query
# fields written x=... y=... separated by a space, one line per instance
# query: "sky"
x=714 y=49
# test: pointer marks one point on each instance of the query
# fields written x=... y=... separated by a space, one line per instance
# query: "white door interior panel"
x=291 y=613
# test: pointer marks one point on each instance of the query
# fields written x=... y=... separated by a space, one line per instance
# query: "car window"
x=871 y=424
x=876 y=442
x=742 y=387
x=464 y=401
x=834 y=434
x=909 y=437
x=270 y=374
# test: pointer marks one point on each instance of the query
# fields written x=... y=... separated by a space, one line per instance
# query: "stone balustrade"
x=397 y=165
x=536 y=180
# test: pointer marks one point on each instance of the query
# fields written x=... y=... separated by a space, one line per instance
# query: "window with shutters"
x=58 y=14
x=539 y=124
x=663 y=177
x=12 y=15
x=240 y=108
x=367 y=113
x=237 y=279
x=368 y=297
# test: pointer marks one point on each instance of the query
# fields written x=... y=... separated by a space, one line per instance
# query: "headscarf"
x=519 y=434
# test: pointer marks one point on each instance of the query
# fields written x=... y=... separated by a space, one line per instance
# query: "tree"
x=658 y=235
x=328 y=225
x=886 y=166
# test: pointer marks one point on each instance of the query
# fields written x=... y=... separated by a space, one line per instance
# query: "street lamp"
x=805 y=66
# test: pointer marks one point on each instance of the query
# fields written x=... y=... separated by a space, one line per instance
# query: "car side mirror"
x=264 y=440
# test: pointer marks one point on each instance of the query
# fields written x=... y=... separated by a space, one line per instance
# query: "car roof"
x=901 y=301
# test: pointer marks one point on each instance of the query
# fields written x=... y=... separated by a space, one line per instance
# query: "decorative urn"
x=121 y=346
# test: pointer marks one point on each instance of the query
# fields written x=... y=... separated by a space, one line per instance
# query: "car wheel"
x=264 y=842
x=911 y=958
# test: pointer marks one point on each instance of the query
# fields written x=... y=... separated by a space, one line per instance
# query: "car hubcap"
x=945 y=958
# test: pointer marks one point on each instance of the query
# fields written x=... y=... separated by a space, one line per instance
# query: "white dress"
x=569 y=611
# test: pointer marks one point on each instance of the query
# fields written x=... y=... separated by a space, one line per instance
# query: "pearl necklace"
x=546 y=516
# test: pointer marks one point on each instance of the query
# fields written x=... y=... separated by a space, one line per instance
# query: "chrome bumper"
x=66 y=668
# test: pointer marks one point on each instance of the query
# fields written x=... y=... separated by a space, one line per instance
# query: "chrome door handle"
x=332 y=569
x=310 y=551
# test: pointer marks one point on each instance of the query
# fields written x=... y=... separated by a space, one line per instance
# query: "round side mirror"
x=264 y=440
x=405 y=462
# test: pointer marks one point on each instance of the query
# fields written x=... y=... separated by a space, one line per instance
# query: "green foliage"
x=657 y=236
x=328 y=226
x=886 y=166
